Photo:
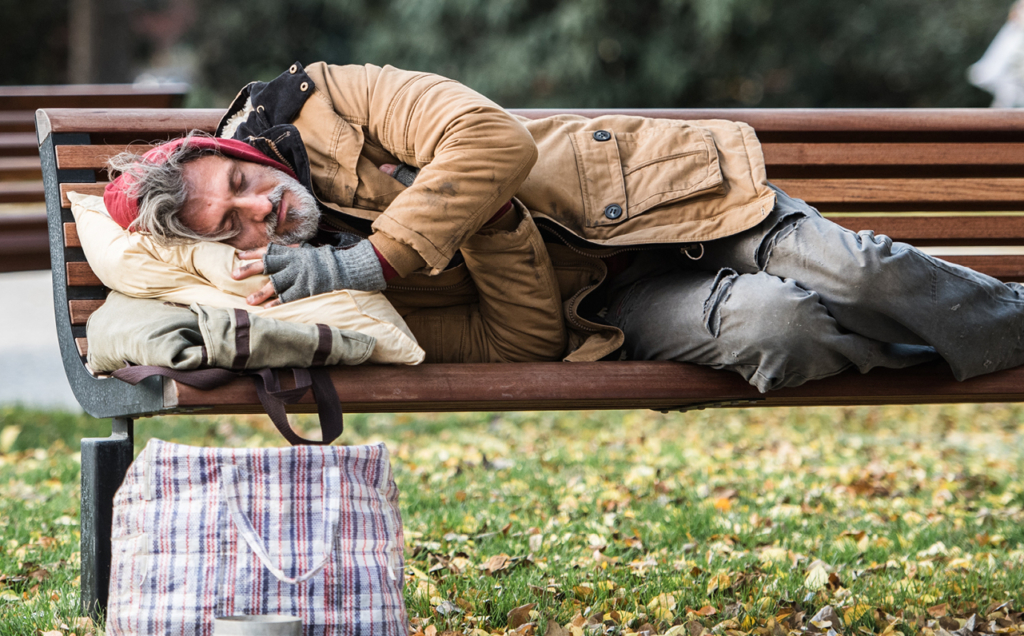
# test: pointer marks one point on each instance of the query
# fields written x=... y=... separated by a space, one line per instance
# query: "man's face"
x=258 y=203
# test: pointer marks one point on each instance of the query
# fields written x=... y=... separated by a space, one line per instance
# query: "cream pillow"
x=136 y=265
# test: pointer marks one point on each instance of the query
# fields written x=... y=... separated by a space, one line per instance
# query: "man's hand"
x=301 y=271
x=255 y=268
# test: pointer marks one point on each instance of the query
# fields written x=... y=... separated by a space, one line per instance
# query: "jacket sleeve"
x=473 y=155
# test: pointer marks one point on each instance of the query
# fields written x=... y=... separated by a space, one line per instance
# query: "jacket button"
x=613 y=211
x=602 y=135
x=303 y=86
x=293 y=69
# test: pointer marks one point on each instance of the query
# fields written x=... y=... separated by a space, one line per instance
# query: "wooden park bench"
x=949 y=180
x=23 y=237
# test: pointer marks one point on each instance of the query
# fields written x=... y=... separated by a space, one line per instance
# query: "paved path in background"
x=31 y=371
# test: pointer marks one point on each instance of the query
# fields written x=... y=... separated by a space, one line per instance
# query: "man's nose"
x=256 y=208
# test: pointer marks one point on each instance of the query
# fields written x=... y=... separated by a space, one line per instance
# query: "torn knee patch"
x=783 y=228
x=720 y=289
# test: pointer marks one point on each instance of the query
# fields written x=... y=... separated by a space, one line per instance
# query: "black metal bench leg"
x=105 y=462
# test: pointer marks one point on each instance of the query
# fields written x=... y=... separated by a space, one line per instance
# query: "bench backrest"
x=949 y=178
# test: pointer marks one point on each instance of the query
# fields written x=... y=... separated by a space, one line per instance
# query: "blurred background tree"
x=561 y=53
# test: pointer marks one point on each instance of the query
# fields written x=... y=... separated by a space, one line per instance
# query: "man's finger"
x=253 y=254
x=247 y=270
x=261 y=295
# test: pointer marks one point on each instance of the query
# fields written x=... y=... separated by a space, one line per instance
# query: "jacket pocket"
x=624 y=174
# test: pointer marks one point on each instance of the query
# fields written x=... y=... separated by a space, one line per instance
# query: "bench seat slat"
x=827 y=121
x=874 y=192
x=911 y=194
x=944 y=230
x=81 y=188
x=71 y=235
x=80 y=310
x=80 y=274
x=558 y=386
x=892 y=154
x=175 y=121
x=776 y=154
x=78 y=157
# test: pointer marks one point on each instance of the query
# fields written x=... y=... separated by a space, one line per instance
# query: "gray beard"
x=305 y=212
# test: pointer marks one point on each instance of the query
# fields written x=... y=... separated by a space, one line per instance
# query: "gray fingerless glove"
x=406 y=174
x=298 y=272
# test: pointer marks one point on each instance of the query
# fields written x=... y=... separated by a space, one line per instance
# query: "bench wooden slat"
x=77 y=157
x=24 y=243
x=82 y=344
x=80 y=274
x=1004 y=267
x=81 y=188
x=851 y=192
x=911 y=194
x=127 y=121
x=21 y=191
x=892 y=154
x=921 y=230
x=765 y=120
x=940 y=230
x=776 y=154
x=1007 y=267
x=71 y=235
x=80 y=310
x=774 y=120
x=34 y=96
x=18 y=143
x=17 y=121
x=557 y=386
x=19 y=168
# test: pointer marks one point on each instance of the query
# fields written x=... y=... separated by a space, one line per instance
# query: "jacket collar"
x=261 y=116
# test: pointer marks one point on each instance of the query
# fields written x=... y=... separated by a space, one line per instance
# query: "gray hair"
x=161 y=191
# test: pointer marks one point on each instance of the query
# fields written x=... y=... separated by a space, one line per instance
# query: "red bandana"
x=125 y=209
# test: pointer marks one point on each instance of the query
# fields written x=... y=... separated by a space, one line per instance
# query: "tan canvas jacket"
x=611 y=182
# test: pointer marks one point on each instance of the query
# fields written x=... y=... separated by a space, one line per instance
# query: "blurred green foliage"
x=609 y=53
x=580 y=53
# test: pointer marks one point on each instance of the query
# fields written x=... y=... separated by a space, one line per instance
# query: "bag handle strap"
x=268 y=389
x=331 y=516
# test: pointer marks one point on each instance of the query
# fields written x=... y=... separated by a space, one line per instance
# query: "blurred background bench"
x=23 y=239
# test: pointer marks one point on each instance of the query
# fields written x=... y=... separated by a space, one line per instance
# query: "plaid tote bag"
x=312 y=531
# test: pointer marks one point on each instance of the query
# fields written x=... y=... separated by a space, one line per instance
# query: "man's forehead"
x=208 y=172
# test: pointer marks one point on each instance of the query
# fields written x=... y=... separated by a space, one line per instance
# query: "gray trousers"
x=798 y=298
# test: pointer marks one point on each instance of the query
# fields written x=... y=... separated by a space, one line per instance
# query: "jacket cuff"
x=404 y=259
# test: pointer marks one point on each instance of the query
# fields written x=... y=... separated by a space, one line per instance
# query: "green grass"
x=902 y=519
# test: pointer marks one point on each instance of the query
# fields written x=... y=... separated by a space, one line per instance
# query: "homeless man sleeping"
x=501 y=239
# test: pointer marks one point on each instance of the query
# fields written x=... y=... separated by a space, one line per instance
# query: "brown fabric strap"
x=268 y=389
x=241 y=339
x=323 y=346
